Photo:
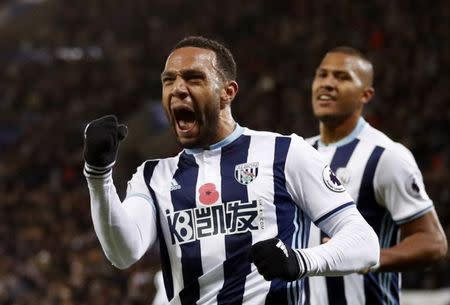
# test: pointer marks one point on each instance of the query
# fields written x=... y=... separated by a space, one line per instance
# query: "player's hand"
x=101 y=141
x=275 y=260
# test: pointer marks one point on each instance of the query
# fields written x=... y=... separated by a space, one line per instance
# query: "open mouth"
x=185 y=118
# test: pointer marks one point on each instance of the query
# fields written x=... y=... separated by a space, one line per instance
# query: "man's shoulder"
x=262 y=133
x=394 y=152
x=376 y=137
x=271 y=134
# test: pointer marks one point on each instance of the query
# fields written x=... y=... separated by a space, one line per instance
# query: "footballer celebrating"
x=232 y=210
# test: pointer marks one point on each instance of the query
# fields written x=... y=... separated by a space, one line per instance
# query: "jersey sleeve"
x=399 y=186
x=125 y=229
x=312 y=184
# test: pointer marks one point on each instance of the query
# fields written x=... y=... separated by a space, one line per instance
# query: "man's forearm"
x=353 y=246
x=119 y=227
x=423 y=242
x=414 y=252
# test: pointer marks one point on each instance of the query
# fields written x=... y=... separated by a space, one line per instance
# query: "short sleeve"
x=312 y=184
x=399 y=186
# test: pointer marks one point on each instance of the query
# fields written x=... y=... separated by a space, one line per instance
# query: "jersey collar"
x=356 y=131
x=237 y=132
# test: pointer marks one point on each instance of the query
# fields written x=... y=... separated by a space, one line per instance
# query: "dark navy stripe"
x=335 y=285
x=184 y=199
x=343 y=154
x=332 y=212
x=307 y=227
x=372 y=290
x=389 y=285
x=236 y=266
x=367 y=204
x=383 y=287
x=374 y=215
x=149 y=168
x=305 y=223
x=307 y=291
x=305 y=241
x=295 y=287
x=285 y=210
x=316 y=144
x=395 y=287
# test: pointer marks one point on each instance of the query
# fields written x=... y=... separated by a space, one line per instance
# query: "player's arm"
x=125 y=230
x=422 y=243
x=401 y=190
x=353 y=245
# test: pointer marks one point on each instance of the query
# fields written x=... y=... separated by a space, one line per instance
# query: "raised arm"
x=125 y=230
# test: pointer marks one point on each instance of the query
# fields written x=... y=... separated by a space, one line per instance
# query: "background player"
x=233 y=196
x=382 y=177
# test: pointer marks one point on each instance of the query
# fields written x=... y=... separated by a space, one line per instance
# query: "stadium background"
x=64 y=63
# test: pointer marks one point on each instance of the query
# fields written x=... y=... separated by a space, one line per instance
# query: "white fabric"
x=307 y=186
x=126 y=230
x=352 y=247
x=399 y=184
x=398 y=188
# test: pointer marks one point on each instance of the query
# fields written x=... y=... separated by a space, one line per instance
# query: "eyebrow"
x=334 y=71
x=184 y=73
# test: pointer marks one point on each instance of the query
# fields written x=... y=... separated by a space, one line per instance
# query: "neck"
x=227 y=125
x=332 y=131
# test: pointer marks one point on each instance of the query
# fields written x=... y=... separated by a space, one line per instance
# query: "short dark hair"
x=225 y=60
x=350 y=51
x=356 y=53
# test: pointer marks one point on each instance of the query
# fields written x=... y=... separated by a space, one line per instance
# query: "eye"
x=343 y=76
x=195 y=78
x=321 y=74
x=167 y=80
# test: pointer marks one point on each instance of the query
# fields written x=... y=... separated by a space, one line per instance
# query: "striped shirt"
x=212 y=205
x=385 y=182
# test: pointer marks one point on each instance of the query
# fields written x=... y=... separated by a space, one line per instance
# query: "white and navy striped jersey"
x=212 y=205
x=385 y=182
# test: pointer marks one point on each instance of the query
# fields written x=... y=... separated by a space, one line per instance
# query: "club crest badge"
x=246 y=172
x=343 y=175
x=331 y=181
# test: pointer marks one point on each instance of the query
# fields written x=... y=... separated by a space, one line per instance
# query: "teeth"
x=325 y=97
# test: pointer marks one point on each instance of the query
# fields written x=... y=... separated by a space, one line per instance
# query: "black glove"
x=101 y=141
x=274 y=260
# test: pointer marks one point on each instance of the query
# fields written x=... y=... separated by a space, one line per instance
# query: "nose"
x=179 y=88
x=328 y=83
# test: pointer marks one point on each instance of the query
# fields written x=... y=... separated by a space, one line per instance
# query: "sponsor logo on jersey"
x=233 y=217
x=331 y=181
x=246 y=172
x=174 y=185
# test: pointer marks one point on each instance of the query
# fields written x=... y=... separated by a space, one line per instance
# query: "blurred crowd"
x=64 y=63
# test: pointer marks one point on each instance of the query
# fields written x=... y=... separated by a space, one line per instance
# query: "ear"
x=228 y=93
x=367 y=95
